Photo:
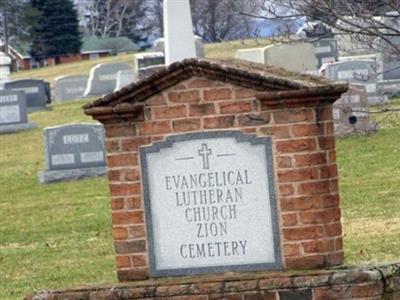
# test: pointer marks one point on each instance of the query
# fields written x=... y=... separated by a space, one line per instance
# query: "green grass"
x=50 y=235
x=76 y=68
x=369 y=169
x=59 y=235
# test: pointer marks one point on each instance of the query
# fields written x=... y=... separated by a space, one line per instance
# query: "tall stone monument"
x=178 y=31
x=5 y=63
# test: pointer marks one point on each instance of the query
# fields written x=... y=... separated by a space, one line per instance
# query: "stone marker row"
x=303 y=56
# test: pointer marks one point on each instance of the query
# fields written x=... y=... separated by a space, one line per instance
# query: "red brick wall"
x=70 y=58
x=374 y=283
x=304 y=159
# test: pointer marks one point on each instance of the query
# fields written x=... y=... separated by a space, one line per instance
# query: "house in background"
x=92 y=48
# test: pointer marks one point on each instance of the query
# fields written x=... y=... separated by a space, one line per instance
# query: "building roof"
x=92 y=44
x=21 y=49
x=280 y=82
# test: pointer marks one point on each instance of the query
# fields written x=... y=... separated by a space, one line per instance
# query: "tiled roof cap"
x=238 y=72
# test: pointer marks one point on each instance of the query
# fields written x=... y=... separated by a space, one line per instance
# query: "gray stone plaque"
x=13 y=112
x=73 y=151
x=103 y=78
x=210 y=204
x=36 y=91
x=70 y=87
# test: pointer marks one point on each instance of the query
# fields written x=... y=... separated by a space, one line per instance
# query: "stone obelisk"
x=178 y=31
x=5 y=63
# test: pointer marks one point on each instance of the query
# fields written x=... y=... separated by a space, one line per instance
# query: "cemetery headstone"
x=357 y=72
x=178 y=31
x=147 y=59
x=390 y=87
x=376 y=59
x=298 y=57
x=158 y=46
x=37 y=92
x=325 y=51
x=103 y=78
x=351 y=113
x=13 y=112
x=70 y=87
x=391 y=69
x=148 y=71
x=73 y=152
x=124 y=78
x=5 y=63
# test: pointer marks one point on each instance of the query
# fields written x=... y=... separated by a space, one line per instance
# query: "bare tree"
x=372 y=23
x=217 y=20
x=16 y=17
x=113 y=18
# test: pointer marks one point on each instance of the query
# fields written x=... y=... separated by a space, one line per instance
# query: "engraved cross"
x=205 y=152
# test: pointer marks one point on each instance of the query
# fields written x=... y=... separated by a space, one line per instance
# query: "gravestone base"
x=377 y=100
x=390 y=87
x=39 y=108
x=12 y=128
x=372 y=283
x=72 y=174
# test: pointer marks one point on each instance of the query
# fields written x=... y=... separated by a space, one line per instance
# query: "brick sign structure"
x=226 y=171
x=222 y=166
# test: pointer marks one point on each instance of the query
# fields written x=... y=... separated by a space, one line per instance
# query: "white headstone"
x=178 y=31
x=124 y=78
x=297 y=57
x=5 y=63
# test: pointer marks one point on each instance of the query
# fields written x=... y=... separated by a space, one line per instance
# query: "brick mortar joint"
x=334 y=277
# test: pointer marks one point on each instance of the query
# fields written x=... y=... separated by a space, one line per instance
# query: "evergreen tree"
x=56 y=30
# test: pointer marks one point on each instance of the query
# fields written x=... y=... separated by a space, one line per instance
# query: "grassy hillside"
x=219 y=50
x=58 y=235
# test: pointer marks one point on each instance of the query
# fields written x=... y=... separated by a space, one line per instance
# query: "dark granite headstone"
x=13 y=112
x=326 y=51
x=144 y=61
x=73 y=152
x=37 y=92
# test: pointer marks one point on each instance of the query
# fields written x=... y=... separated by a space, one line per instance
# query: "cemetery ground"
x=59 y=235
